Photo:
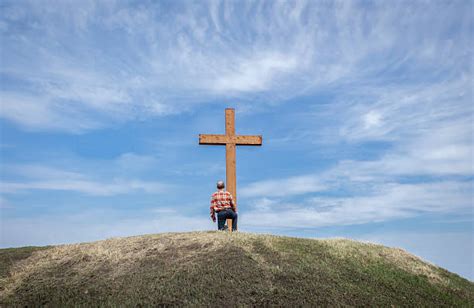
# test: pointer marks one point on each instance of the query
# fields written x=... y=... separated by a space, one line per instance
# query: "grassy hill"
x=219 y=268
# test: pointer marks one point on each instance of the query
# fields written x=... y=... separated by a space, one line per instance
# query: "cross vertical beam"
x=230 y=140
x=230 y=167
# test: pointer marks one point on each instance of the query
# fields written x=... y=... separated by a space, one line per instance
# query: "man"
x=223 y=204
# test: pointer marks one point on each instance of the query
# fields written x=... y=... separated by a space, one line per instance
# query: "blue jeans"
x=226 y=214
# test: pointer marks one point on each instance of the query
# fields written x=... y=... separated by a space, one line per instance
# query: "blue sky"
x=366 y=111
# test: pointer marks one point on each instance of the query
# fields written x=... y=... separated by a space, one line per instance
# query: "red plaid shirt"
x=221 y=200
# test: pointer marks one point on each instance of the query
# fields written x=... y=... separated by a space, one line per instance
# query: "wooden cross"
x=230 y=140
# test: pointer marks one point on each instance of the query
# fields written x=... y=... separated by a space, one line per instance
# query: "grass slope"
x=218 y=268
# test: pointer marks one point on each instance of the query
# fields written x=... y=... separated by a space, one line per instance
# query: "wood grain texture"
x=229 y=122
x=230 y=170
x=210 y=139
x=247 y=140
x=213 y=139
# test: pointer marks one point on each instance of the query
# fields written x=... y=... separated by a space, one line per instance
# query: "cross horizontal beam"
x=226 y=139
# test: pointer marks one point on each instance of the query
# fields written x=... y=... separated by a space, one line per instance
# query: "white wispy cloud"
x=35 y=112
x=285 y=187
x=97 y=188
x=83 y=65
x=254 y=74
x=440 y=152
x=385 y=202
x=38 y=171
x=105 y=178
x=401 y=111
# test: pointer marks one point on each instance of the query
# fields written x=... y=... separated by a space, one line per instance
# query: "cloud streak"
x=284 y=187
x=385 y=202
x=81 y=67
x=115 y=187
x=121 y=176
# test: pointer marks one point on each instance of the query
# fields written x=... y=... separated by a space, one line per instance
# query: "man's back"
x=222 y=199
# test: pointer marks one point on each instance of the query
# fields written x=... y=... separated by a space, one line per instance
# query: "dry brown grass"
x=196 y=268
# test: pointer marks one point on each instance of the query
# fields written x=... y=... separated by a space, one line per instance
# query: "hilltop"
x=219 y=268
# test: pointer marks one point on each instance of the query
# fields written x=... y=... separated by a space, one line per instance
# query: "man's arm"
x=213 y=213
x=232 y=203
